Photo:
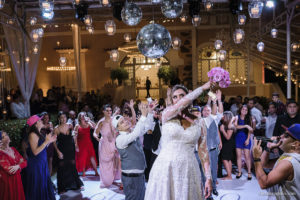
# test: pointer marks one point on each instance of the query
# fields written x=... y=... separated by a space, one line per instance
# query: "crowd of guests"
x=129 y=141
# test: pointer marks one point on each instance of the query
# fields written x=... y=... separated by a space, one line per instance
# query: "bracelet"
x=257 y=159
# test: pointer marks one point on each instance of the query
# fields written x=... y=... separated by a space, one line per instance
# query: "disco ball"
x=131 y=14
x=154 y=40
x=171 y=8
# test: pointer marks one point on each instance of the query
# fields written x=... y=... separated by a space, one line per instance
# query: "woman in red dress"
x=11 y=164
x=85 y=153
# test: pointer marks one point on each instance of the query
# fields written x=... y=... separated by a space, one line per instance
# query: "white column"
x=77 y=47
x=194 y=58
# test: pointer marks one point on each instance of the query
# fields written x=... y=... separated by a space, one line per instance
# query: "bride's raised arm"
x=171 y=111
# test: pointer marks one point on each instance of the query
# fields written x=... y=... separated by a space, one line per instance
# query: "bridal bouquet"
x=220 y=76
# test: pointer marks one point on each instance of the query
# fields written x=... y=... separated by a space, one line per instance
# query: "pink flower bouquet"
x=218 y=75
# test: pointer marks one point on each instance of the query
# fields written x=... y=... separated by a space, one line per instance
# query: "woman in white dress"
x=175 y=174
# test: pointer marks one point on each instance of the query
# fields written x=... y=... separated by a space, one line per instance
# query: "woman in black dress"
x=67 y=175
x=227 y=130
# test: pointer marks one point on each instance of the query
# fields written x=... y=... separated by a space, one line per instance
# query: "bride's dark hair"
x=185 y=111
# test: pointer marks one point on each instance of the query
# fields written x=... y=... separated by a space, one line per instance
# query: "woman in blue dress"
x=38 y=185
x=244 y=128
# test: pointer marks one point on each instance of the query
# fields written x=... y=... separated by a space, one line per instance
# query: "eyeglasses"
x=108 y=110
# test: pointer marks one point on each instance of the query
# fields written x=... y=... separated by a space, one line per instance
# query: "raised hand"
x=50 y=138
x=257 y=150
x=144 y=109
x=131 y=103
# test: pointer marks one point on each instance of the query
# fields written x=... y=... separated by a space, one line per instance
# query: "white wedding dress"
x=175 y=174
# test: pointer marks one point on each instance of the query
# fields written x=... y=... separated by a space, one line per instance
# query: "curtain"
x=20 y=47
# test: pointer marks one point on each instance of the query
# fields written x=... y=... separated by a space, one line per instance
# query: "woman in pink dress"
x=85 y=154
x=109 y=160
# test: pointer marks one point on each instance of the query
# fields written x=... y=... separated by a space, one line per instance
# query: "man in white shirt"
x=212 y=117
x=256 y=114
x=133 y=161
x=270 y=120
x=72 y=118
x=236 y=106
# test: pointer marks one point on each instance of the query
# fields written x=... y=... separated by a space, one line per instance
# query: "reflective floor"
x=236 y=189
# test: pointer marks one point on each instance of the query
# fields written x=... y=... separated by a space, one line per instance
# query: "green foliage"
x=120 y=74
x=14 y=129
x=166 y=73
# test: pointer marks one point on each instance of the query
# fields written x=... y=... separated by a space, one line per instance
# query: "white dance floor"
x=236 y=189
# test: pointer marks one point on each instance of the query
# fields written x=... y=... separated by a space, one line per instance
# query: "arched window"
x=235 y=64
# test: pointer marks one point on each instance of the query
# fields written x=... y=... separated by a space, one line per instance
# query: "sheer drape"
x=20 y=47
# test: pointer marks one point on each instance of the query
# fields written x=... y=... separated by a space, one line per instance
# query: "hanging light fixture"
x=276 y=74
x=110 y=27
x=88 y=20
x=296 y=62
x=285 y=67
x=255 y=8
x=208 y=5
x=35 y=49
x=218 y=44
x=222 y=55
x=62 y=61
x=34 y=35
x=274 y=33
x=114 y=55
x=156 y=1
x=294 y=47
x=2 y=2
x=196 y=20
x=260 y=46
x=48 y=15
x=242 y=19
x=46 y=5
x=33 y=21
x=176 y=43
x=105 y=3
x=40 y=32
x=90 y=29
x=270 y=3
x=127 y=37
x=238 y=36
x=183 y=18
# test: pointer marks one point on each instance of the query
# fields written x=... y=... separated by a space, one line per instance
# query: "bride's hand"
x=207 y=188
x=206 y=86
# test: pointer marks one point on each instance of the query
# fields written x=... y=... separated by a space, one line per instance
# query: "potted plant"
x=166 y=73
x=120 y=74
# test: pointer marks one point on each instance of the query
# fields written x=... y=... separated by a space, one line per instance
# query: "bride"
x=175 y=174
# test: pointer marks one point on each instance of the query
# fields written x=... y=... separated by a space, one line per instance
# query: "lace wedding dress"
x=175 y=174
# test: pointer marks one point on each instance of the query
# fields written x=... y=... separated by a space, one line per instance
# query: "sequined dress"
x=175 y=174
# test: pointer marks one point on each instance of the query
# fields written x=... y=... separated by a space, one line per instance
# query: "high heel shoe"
x=249 y=177
x=239 y=175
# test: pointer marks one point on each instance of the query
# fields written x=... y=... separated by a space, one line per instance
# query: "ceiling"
x=274 y=54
